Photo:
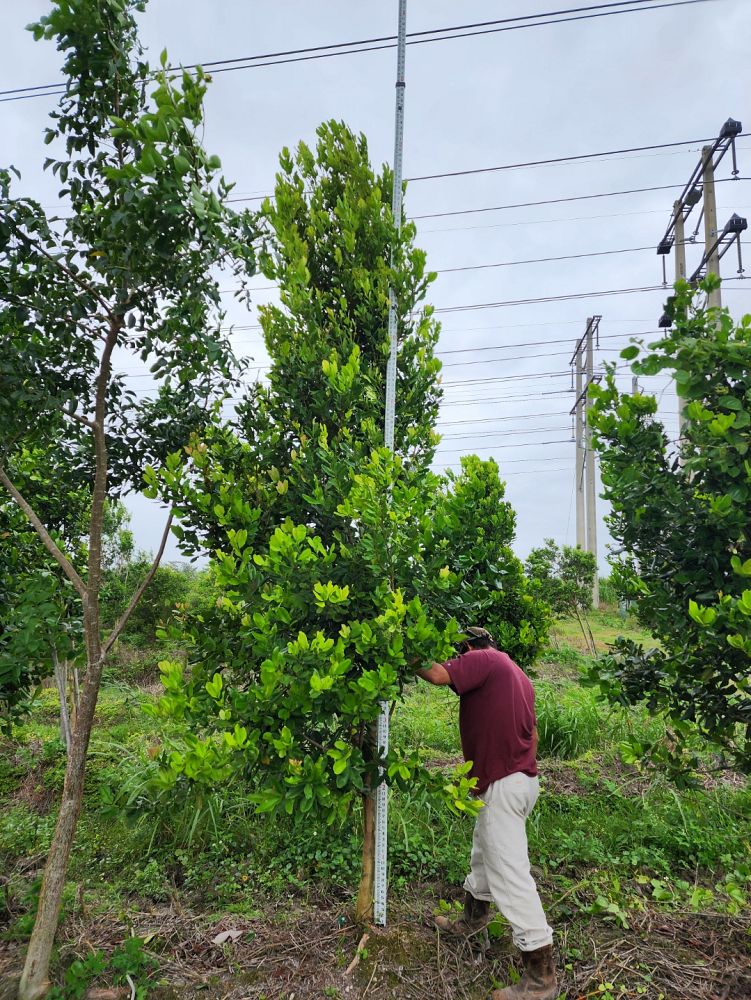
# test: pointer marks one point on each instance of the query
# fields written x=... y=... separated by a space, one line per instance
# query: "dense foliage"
x=341 y=565
x=681 y=513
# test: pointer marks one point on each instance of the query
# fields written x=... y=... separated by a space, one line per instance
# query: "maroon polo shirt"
x=496 y=715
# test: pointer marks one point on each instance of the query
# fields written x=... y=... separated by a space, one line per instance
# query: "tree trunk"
x=61 y=679
x=34 y=980
x=364 y=904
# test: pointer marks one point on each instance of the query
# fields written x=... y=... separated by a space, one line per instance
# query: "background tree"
x=470 y=532
x=564 y=578
x=681 y=513
x=128 y=275
x=40 y=615
x=125 y=569
x=325 y=543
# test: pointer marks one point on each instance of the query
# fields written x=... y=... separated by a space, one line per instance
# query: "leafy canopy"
x=682 y=516
x=341 y=565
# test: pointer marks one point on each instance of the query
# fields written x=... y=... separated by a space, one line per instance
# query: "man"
x=498 y=730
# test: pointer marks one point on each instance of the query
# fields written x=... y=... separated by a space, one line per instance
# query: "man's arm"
x=436 y=673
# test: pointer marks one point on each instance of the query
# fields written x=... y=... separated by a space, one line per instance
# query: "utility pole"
x=579 y=464
x=680 y=242
x=701 y=187
x=590 y=460
x=585 y=485
x=680 y=275
x=711 y=248
x=382 y=793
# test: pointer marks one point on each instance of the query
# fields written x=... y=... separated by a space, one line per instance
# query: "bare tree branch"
x=76 y=278
x=80 y=419
x=123 y=620
x=49 y=543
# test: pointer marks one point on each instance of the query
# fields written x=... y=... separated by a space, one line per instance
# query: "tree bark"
x=364 y=904
x=34 y=980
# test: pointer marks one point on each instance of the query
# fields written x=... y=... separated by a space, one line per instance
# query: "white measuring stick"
x=382 y=799
x=381 y=830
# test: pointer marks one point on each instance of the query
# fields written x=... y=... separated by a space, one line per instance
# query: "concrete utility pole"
x=590 y=459
x=382 y=800
x=680 y=242
x=579 y=464
x=680 y=275
x=710 y=222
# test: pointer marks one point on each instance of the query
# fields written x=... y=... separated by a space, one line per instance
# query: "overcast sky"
x=609 y=83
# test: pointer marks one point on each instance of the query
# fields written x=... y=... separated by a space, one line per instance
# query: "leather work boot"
x=475 y=917
x=537 y=983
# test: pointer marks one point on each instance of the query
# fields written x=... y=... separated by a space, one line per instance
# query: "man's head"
x=476 y=638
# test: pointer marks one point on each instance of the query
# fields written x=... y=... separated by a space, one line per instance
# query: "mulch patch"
x=301 y=951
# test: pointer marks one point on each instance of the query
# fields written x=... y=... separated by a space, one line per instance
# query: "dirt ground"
x=301 y=952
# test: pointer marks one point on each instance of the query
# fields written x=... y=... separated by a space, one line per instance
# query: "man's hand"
x=436 y=673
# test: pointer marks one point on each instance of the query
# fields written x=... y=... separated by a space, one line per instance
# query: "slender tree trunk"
x=61 y=679
x=364 y=904
x=34 y=981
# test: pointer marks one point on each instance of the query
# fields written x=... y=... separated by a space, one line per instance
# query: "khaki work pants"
x=500 y=860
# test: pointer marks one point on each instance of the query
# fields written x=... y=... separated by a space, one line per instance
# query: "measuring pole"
x=579 y=466
x=590 y=455
x=710 y=223
x=382 y=792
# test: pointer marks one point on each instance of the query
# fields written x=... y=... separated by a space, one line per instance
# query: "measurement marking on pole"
x=382 y=807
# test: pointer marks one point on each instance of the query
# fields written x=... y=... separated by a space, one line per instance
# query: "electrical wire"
x=514 y=472
x=471 y=307
x=561 y=201
x=528 y=444
x=547 y=222
x=389 y=41
x=505 y=263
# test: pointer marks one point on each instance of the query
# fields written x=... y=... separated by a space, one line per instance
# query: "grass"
x=606 y=839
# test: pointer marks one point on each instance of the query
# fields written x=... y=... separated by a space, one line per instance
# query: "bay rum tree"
x=127 y=275
x=334 y=557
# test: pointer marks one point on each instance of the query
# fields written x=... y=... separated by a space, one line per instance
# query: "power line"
x=526 y=164
x=544 y=222
x=541 y=260
x=528 y=444
x=515 y=472
x=389 y=41
x=471 y=307
x=561 y=201
x=662 y=149
x=505 y=263
x=475 y=329
x=484 y=401
x=513 y=432
x=542 y=343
